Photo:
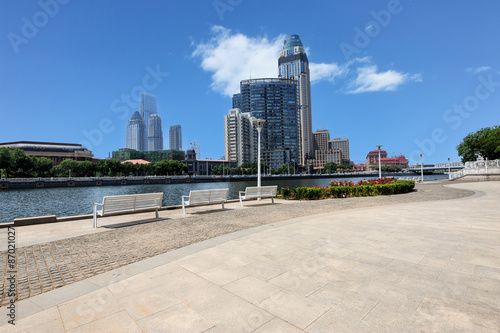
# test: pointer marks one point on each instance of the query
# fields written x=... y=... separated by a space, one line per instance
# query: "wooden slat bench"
x=258 y=193
x=128 y=203
x=200 y=197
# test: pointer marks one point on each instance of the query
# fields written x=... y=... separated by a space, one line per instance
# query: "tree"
x=63 y=169
x=5 y=160
x=491 y=144
x=42 y=166
x=22 y=165
x=476 y=144
x=170 y=167
x=86 y=169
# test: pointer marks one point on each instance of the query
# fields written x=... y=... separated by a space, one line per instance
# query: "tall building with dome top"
x=135 y=132
x=293 y=64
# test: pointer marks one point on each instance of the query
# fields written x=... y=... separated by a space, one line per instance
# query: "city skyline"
x=413 y=76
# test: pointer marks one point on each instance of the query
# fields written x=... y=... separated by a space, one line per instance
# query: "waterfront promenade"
x=412 y=262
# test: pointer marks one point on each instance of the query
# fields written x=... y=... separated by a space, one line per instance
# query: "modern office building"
x=135 y=132
x=55 y=151
x=343 y=145
x=323 y=151
x=197 y=148
x=274 y=100
x=240 y=136
x=175 y=137
x=293 y=64
x=155 y=133
x=147 y=107
x=320 y=139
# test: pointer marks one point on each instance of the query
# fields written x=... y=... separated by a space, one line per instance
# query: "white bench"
x=199 y=197
x=128 y=203
x=258 y=193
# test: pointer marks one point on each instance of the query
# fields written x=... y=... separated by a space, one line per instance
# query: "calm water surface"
x=66 y=201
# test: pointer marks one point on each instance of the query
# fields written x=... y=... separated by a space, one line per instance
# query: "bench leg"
x=157 y=216
x=272 y=198
x=241 y=202
x=222 y=205
x=183 y=209
x=95 y=217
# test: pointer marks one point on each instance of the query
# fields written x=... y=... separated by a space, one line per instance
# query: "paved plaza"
x=390 y=266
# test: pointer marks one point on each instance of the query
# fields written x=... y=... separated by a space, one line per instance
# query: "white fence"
x=483 y=167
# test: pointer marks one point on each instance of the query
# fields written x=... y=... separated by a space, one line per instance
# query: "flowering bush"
x=346 y=188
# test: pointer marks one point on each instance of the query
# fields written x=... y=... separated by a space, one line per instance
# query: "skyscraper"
x=135 y=132
x=175 y=137
x=240 y=136
x=275 y=101
x=147 y=107
x=155 y=133
x=293 y=63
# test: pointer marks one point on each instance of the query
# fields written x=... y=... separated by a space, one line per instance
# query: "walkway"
x=403 y=267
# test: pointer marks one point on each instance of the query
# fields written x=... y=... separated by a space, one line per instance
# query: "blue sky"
x=415 y=76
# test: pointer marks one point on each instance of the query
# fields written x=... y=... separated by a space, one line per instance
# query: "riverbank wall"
x=31 y=183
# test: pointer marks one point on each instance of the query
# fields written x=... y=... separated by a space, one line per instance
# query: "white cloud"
x=477 y=70
x=326 y=71
x=233 y=57
x=368 y=80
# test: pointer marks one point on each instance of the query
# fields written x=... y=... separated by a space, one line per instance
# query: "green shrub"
x=345 y=189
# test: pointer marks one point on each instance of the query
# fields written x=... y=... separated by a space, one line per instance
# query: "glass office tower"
x=155 y=133
x=293 y=64
x=147 y=107
x=274 y=100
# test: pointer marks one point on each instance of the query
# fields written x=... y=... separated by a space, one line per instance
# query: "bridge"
x=455 y=166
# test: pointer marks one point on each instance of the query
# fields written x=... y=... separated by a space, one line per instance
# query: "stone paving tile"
x=222 y=275
x=178 y=318
x=133 y=285
x=176 y=282
x=277 y=326
x=118 y=322
x=483 y=298
x=237 y=315
x=49 y=317
x=334 y=322
x=252 y=289
x=148 y=302
x=490 y=272
x=344 y=302
x=203 y=296
x=298 y=311
x=88 y=308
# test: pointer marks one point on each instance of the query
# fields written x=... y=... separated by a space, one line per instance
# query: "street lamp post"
x=422 y=167
x=259 y=123
x=379 y=164
x=449 y=169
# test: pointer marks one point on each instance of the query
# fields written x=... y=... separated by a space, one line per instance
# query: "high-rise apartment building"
x=342 y=145
x=240 y=136
x=135 y=132
x=175 y=137
x=293 y=64
x=275 y=101
x=147 y=107
x=155 y=133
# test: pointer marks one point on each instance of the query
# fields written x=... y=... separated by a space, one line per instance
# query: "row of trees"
x=15 y=163
x=333 y=167
x=484 y=143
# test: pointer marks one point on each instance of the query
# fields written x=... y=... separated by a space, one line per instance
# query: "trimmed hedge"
x=364 y=190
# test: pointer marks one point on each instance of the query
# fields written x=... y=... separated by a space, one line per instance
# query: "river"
x=67 y=201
